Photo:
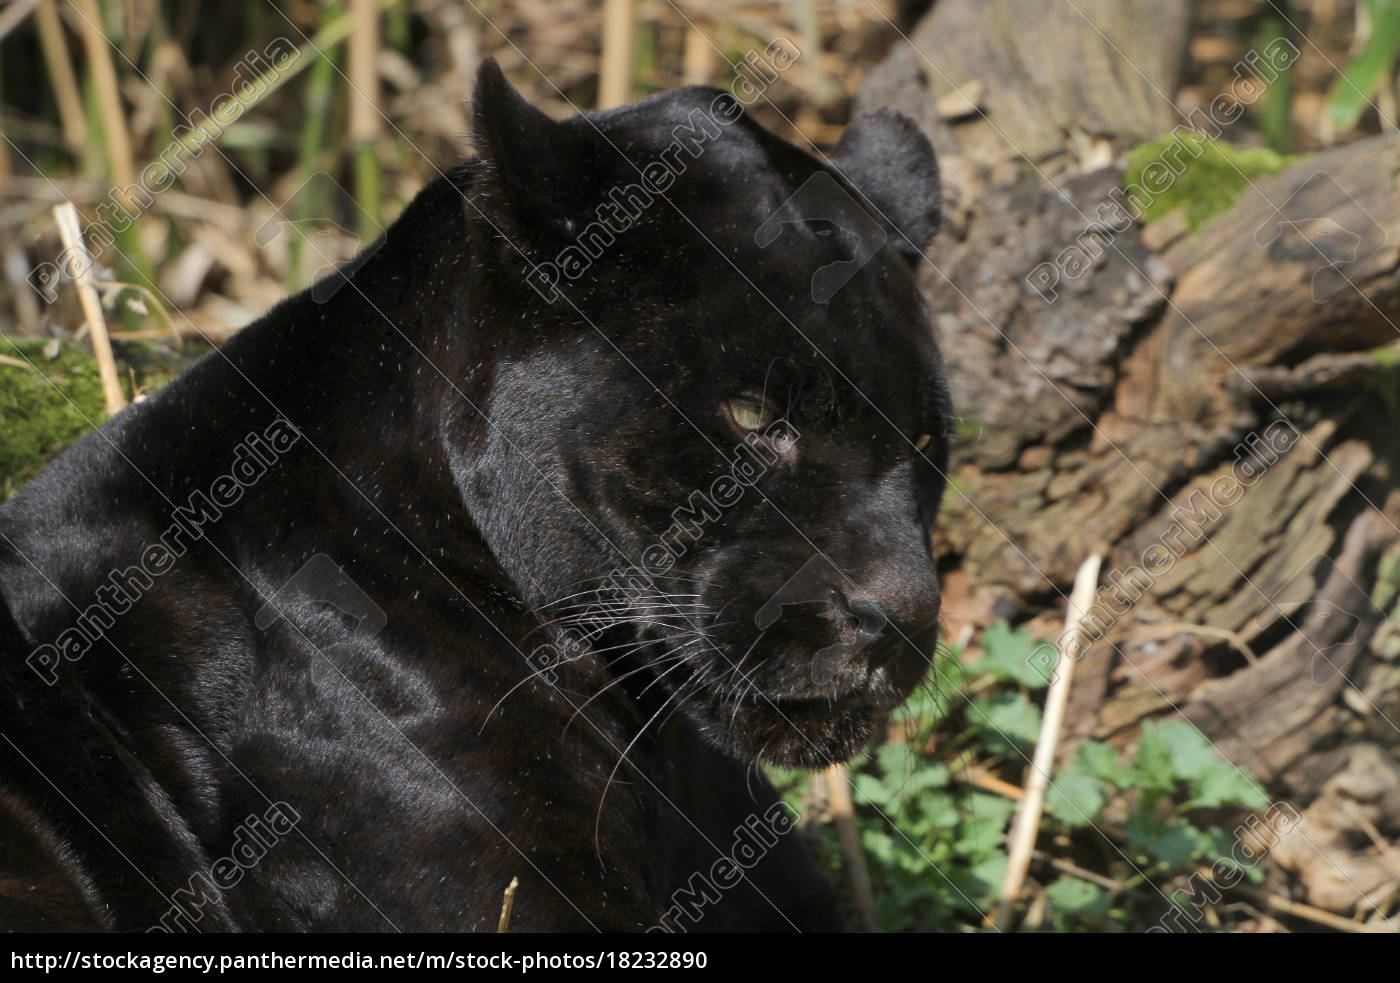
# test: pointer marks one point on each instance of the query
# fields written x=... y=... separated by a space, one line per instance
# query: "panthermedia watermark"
x=252 y=839
x=255 y=74
x=1253 y=838
x=624 y=205
x=1254 y=73
x=817 y=581
x=324 y=235
x=753 y=839
x=322 y=581
x=1320 y=224
x=626 y=587
x=820 y=201
x=253 y=457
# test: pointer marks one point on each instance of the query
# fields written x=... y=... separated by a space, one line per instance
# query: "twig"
x=1297 y=909
x=80 y=269
x=17 y=266
x=148 y=296
x=1168 y=628
x=1074 y=870
x=1037 y=910
x=506 y=904
x=615 y=72
x=1388 y=893
x=17 y=363
x=838 y=787
x=1027 y=822
x=994 y=784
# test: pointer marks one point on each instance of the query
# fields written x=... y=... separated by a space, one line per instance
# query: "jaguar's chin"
x=796 y=707
x=795 y=733
x=814 y=736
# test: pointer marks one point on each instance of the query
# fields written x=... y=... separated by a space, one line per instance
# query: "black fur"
x=456 y=465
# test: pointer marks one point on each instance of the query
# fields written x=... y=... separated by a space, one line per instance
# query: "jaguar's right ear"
x=532 y=175
x=892 y=164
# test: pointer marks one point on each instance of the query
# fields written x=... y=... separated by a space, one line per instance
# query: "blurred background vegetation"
x=370 y=96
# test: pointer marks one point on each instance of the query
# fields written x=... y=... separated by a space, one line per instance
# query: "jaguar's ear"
x=885 y=155
x=533 y=173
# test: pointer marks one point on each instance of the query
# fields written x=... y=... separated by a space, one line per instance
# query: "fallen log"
x=1212 y=408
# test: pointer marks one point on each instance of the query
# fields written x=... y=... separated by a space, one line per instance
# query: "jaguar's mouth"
x=811 y=733
x=790 y=706
x=874 y=701
x=803 y=732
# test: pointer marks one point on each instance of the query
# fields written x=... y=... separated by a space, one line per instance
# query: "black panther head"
x=719 y=421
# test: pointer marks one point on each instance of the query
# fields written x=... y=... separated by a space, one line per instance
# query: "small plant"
x=1119 y=826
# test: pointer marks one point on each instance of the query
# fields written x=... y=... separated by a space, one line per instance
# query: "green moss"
x=1386 y=382
x=1387 y=589
x=1388 y=356
x=1192 y=172
x=43 y=411
x=38 y=418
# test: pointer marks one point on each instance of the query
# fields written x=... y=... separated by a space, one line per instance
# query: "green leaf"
x=1071 y=896
x=1153 y=763
x=1075 y=797
x=941 y=692
x=984 y=827
x=979 y=883
x=1226 y=785
x=1173 y=844
x=1210 y=779
x=1101 y=760
x=1191 y=755
x=930 y=703
x=870 y=789
x=877 y=845
x=940 y=810
x=897 y=762
x=1015 y=655
x=1009 y=720
x=930 y=775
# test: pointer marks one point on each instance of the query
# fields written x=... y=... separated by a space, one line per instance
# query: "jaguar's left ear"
x=885 y=155
x=535 y=175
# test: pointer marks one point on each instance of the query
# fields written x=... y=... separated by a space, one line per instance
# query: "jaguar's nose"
x=859 y=615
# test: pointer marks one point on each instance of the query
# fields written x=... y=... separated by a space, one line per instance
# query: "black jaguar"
x=507 y=551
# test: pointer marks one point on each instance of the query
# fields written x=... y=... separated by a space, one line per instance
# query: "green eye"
x=923 y=441
x=750 y=414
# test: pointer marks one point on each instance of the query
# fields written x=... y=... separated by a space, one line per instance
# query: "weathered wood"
x=1105 y=404
x=1043 y=74
x=1304 y=262
x=1335 y=851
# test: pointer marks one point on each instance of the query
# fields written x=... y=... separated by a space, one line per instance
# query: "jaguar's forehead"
x=869 y=348
x=717 y=257
x=694 y=160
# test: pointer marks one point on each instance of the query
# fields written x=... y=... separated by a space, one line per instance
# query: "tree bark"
x=1215 y=410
